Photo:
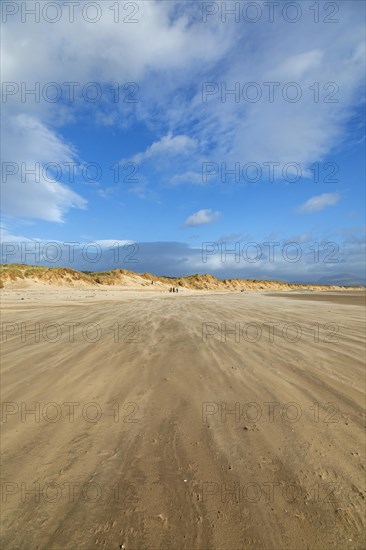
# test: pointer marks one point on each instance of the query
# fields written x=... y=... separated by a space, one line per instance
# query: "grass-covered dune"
x=60 y=276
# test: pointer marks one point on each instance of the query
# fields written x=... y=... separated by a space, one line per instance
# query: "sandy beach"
x=182 y=275
x=202 y=420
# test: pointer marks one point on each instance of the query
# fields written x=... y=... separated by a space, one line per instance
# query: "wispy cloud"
x=187 y=178
x=167 y=145
x=318 y=202
x=28 y=189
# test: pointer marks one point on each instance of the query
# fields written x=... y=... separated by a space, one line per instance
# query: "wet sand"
x=346 y=298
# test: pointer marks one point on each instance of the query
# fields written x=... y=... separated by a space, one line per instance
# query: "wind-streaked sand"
x=166 y=466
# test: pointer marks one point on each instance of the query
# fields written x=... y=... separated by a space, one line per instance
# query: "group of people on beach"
x=173 y=289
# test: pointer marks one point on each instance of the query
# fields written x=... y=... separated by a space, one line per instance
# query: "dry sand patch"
x=187 y=423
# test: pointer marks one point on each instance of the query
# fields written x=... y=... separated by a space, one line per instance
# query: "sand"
x=200 y=420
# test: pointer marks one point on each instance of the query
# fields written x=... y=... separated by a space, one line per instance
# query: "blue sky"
x=188 y=124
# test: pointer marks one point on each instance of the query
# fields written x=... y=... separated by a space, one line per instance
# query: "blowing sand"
x=200 y=420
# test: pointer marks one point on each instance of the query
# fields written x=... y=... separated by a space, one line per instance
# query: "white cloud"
x=29 y=146
x=167 y=145
x=318 y=202
x=170 y=53
x=282 y=131
x=152 y=52
x=169 y=71
x=161 y=40
x=202 y=217
x=295 y=66
x=110 y=243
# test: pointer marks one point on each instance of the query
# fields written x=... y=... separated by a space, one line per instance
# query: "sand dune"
x=25 y=276
x=207 y=420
